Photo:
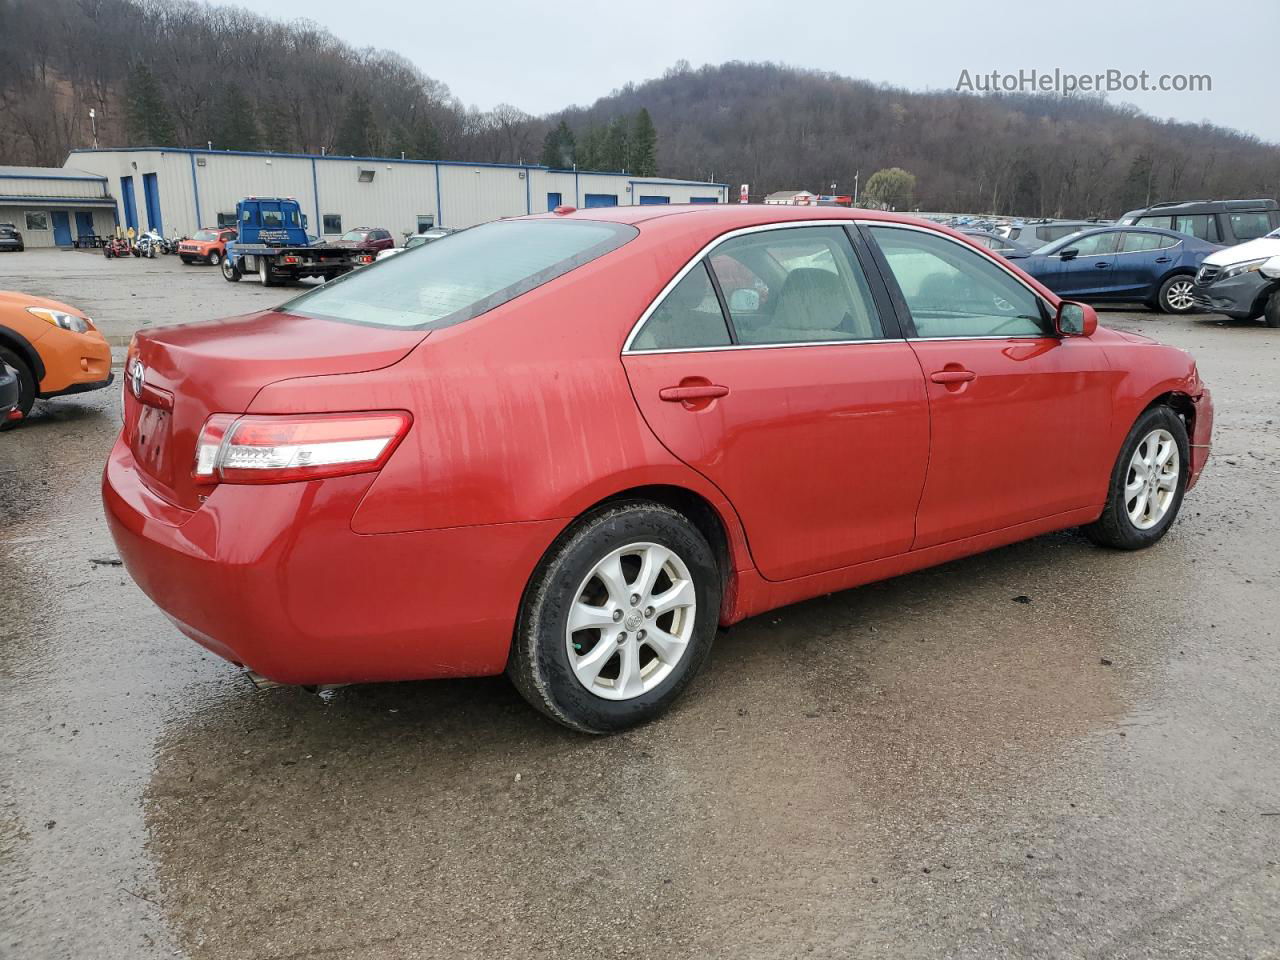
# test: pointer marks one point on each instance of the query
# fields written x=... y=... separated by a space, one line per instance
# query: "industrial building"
x=54 y=206
x=178 y=190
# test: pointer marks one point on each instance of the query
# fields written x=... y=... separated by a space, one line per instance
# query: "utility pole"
x=93 y=120
x=855 y=187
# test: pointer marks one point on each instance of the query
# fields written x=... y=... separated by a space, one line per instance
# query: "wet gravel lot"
x=920 y=768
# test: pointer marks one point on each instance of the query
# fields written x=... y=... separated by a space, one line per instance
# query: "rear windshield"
x=462 y=276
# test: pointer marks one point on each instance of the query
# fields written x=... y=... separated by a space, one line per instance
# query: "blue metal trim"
x=577 y=197
x=58 y=201
x=319 y=156
x=679 y=183
x=33 y=176
x=315 y=191
x=528 y=190
x=439 y=205
x=195 y=189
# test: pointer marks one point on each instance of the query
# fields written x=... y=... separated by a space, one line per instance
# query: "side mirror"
x=1271 y=269
x=1069 y=254
x=743 y=300
x=1075 y=319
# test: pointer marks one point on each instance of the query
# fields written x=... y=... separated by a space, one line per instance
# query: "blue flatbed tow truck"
x=272 y=243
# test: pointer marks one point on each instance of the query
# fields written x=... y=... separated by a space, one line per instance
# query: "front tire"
x=617 y=619
x=1175 y=294
x=215 y=258
x=230 y=272
x=1147 y=483
x=1271 y=312
x=26 y=387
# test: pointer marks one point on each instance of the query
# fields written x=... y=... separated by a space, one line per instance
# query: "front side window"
x=953 y=291
x=1250 y=226
x=796 y=285
x=1093 y=244
x=689 y=316
x=445 y=283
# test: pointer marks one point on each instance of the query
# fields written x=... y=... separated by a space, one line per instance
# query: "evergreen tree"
x=643 y=146
x=356 y=131
x=418 y=140
x=590 y=150
x=147 y=119
x=234 y=125
x=614 y=149
x=559 y=148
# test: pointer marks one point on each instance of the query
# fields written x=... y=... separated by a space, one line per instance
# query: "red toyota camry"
x=571 y=446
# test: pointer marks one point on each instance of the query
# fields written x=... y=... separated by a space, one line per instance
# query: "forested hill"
x=774 y=127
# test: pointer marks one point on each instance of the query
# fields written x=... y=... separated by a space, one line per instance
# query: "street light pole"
x=855 y=187
x=93 y=120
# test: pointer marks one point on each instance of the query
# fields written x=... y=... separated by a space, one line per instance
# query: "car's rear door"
x=1020 y=417
x=1141 y=261
x=776 y=369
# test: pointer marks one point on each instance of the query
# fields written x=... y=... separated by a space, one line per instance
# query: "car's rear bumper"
x=273 y=577
x=1201 y=436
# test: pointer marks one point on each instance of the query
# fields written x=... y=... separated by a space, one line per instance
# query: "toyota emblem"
x=137 y=378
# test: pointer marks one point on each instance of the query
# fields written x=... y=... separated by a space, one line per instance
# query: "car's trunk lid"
x=191 y=371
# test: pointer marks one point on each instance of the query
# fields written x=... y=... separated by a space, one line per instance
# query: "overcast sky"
x=544 y=56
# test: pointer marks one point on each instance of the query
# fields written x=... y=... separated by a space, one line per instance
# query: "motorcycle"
x=117 y=247
x=148 y=245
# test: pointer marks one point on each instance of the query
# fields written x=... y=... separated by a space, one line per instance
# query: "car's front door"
x=1020 y=417
x=803 y=405
x=1086 y=272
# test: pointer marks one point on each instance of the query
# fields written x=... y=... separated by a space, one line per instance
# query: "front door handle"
x=1163 y=259
x=709 y=391
x=1102 y=265
x=952 y=376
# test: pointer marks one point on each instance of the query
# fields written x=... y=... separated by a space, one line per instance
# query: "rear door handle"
x=1103 y=264
x=1163 y=259
x=708 y=391
x=952 y=376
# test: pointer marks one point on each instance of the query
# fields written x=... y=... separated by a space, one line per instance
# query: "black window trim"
x=888 y=317
x=905 y=320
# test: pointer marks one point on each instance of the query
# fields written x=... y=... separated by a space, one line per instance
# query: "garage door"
x=602 y=200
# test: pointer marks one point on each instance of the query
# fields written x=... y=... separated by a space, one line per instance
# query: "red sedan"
x=571 y=446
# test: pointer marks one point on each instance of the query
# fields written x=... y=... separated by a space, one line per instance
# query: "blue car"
x=1122 y=265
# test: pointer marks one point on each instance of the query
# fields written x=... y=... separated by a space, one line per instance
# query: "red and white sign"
x=742 y=193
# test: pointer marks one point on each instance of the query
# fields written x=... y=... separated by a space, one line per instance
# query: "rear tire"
x=615 y=571
x=1139 y=478
x=26 y=386
x=1271 y=312
x=1175 y=294
x=230 y=272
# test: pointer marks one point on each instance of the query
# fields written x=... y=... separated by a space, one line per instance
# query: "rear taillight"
x=277 y=449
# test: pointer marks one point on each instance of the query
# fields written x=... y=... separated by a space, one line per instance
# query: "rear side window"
x=1135 y=242
x=1161 y=222
x=1202 y=225
x=688 y=317
x=439 y=284
x=1250 y=226
x=795 y=285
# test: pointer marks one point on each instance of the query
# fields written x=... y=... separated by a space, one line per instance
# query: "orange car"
x=55 y=349
x=208 y=245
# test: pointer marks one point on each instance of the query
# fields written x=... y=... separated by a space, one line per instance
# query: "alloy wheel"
x=1179 y=296
x=631 y=621
x=1151 y=483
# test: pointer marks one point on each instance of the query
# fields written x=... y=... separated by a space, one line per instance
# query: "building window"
x=333 y=223
x=227 y=219
x=37 y=220
x=425 y=222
